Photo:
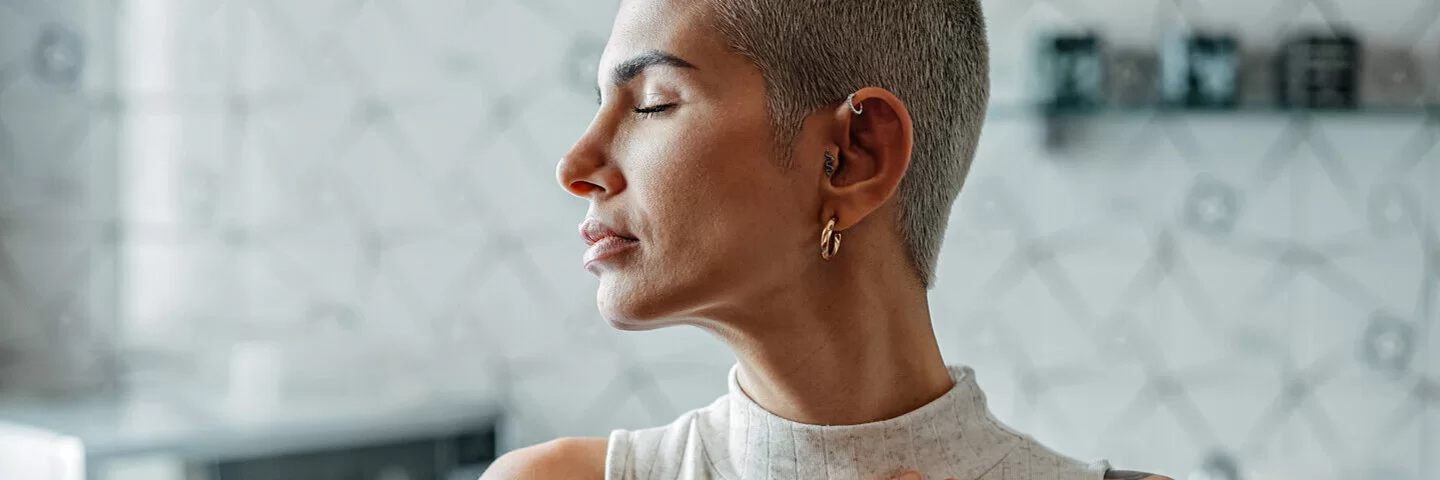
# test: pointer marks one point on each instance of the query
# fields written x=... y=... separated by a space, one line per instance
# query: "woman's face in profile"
x=691 y=213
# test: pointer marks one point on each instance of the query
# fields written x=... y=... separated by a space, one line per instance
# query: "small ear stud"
x=829 y=164
x=850 y=102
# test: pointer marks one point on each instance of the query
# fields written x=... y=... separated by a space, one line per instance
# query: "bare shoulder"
x=1129 y=475
x=579 y=458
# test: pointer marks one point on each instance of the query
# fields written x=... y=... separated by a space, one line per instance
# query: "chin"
x=628 y=310
x=628 y=324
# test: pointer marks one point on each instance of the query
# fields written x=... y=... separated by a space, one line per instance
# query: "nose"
x=587 y=170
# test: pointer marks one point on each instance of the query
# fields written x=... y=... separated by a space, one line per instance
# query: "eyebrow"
x=629 y=69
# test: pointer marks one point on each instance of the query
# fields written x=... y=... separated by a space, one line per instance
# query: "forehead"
x=678 y=27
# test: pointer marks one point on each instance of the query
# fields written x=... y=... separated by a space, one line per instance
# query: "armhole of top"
x=618 y=455
x=1099 y=468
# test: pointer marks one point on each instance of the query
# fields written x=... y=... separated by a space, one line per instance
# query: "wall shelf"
x=1027 y=111
x=1063 y=126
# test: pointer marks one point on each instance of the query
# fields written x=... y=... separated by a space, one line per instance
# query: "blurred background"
x=253 y=239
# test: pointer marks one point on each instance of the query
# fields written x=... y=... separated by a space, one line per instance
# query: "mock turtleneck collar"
x=954 y=433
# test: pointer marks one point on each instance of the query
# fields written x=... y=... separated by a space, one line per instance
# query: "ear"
x=874 y=154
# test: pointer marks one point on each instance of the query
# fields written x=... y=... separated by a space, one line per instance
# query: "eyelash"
x=647 y=112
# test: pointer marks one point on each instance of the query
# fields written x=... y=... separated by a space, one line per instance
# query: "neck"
x=868 y=353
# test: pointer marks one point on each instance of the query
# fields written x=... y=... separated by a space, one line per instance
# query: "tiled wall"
x=1256 y=288
x=57 y=196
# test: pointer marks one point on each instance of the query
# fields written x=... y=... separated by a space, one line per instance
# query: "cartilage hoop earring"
x=829 y=241
x=830 y=162
x=850 y=102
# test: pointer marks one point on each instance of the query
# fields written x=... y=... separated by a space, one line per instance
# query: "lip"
x=607 y=248
x=593 y=230
x=604 y=241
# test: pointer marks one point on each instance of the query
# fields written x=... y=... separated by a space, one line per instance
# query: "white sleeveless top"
x=954 y=436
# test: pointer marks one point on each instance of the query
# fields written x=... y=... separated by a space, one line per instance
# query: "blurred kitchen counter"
x=189 y=435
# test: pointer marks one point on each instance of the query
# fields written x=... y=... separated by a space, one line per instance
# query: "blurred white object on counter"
x=31 y=454
x=184 y=434
x=255 y=372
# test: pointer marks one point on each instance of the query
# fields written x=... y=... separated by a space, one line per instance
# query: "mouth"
x=605 y=242
x=607 y=249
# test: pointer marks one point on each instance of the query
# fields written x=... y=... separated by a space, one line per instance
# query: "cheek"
x=721 y=222
x=720 y=192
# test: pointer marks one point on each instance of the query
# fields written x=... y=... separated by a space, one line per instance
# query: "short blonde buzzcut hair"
x=933 y=54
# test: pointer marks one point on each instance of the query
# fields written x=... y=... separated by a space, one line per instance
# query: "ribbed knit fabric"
x=954 y=436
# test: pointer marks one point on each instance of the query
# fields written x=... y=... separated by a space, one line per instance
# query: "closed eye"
x=650 y=111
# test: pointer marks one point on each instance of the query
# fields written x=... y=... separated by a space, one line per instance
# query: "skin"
x=681 y=158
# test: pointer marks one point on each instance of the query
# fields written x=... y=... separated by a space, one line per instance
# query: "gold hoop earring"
x=829 y=241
